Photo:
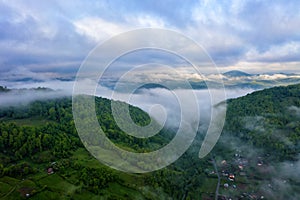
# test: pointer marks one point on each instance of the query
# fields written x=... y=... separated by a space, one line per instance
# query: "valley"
x=42 y=156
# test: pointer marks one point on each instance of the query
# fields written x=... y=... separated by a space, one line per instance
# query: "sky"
x=46 y=39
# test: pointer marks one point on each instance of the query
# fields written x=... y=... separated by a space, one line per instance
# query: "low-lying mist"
x=144 y=99
x=171 y=105
x=25 y=96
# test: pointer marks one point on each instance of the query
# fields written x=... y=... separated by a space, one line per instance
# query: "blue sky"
x=51 y=38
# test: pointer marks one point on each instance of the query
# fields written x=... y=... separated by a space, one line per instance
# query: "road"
x=219 y=179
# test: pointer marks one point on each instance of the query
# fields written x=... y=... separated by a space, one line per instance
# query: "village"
x=240 y=177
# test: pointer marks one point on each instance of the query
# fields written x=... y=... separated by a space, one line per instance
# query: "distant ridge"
x=236 y=73
x=5 y=89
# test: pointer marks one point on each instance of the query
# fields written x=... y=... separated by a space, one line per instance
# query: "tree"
x=52 y=113
x=1 y=170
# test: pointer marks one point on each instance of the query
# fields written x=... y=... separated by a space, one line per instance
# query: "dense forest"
x=268 y=119
x=42 y=156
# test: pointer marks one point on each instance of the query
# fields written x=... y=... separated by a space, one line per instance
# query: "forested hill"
x=269 y=119
x=41 y=135
x=44 y=114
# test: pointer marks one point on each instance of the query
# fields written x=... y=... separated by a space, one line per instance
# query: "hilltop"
x=236 y=73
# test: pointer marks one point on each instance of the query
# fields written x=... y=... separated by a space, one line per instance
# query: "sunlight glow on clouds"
x=97 y=29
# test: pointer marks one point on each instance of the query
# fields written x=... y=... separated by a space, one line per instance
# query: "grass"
x=122 y=192
x=49 y=195
x=56 y=187
x=86 y=159
x=56 y=183
x=10 y=187
x=88 y=195
x=4 y=187
x=209 y=185
x=9 y=180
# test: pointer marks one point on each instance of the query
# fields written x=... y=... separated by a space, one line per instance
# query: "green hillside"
x=41 y=135
x=268 y=119
x=260 y=145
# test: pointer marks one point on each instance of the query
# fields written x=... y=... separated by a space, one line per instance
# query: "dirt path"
x=219 y=179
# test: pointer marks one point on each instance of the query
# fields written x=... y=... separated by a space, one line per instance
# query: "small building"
x=241 y=167
x=259 y=163
x=231 y=177
x=50 y=170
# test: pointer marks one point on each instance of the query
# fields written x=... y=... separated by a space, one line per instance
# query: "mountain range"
x=232 y=80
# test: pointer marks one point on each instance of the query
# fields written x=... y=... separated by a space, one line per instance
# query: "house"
x=241 y=167
x=225 y=173
x=259 y=163
x=231 y=177
x=50 y=170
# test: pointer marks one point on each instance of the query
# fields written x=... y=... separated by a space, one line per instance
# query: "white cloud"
x=97 y=29
x=30 y=14
x=286 y=51
x=145 y=21
x=23 y=73
x=204 y=13
x=24 y=97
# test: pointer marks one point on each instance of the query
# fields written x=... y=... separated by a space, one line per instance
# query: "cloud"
x=37 y=33
x=145 y=99
x=274 y=22
x=234 y=28
x=97 y=29
x=167 y=99
x=23 y=73
x=278 y=53
x=263 y=67
x=291 y=169
x=23 y=97
x=54 y=33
